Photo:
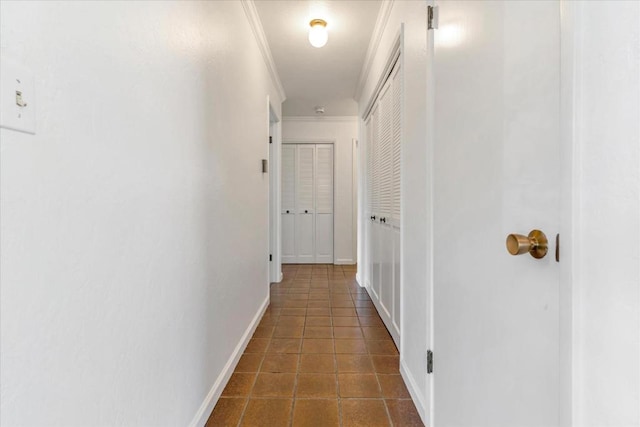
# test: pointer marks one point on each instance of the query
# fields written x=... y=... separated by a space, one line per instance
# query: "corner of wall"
x=378 y=30
x=258 y=31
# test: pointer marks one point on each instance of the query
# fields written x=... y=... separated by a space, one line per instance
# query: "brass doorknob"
x=535 y=243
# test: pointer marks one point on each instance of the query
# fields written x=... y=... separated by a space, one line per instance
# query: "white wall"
x=134 y=224
x=342 y=130
x=416 y=190
x=602 y=132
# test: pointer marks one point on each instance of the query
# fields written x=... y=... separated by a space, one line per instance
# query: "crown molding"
x=258 y=31
x=378 y=30
x=320 y=119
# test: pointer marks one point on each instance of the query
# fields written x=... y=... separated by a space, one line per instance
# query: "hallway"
x=320 y=212
x=320 y=356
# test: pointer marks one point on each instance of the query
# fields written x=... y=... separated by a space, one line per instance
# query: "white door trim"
x=274 y=172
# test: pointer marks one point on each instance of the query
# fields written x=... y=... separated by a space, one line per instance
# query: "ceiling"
x=325 y=76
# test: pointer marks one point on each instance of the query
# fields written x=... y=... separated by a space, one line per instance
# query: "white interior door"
x=374 y=235
x=385 y=184
x=496 y=316
x=383 y=145
x=307 y=203
x=288 y=200
x=383 y=138
x=305 y=191
x=395 y=212
x=324 y=203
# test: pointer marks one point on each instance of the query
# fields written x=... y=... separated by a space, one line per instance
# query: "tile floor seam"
x=335 y=372
x=248 y=398
x=295 y=382
x=384 y=401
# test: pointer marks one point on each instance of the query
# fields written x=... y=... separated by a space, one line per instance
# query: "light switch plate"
x=17 y=86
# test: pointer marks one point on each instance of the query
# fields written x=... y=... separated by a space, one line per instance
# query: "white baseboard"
x=344 y=261
x=414 y=391
x=201 y=417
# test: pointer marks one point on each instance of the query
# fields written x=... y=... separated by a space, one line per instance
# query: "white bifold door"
x=382 y=232
x=307 y=203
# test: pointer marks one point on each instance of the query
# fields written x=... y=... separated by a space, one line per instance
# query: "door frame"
x=577 y=59
x=274 y=130
x=294 y=141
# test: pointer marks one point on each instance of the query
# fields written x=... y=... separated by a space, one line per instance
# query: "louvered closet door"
x=305 y=230
x=368 y=165
x=396 y=139
x=288 y=211
x=307 y=203
x=374 y=241
x=324 y=203
x=386 y=181
x=382 y=232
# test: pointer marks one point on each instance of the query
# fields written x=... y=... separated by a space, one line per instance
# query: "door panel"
x=288 y=204
x=289 y=238
x=304 y=203
x=375 y=260
x=495 y=315
x=305 y=238
x=324 y=178
x=369 y=251
x=396 y=285
x=324 y=238
x=324 y=203
x=306 y=171
x=288 y=178
x=368 y=200
x=386 y=274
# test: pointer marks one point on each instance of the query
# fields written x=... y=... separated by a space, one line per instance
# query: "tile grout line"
x=335 y=365
x=335 y=357
x=295 y=381
x=248 y=397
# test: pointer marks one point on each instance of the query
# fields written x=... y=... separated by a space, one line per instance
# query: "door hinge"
x=270 y=140
x=429 y=361
x=432 y=17
x=270 y=257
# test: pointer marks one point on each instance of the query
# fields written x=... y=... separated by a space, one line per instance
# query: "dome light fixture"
x=318 y=33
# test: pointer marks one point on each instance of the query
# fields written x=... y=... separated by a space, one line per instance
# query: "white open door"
x=497 y=145
x=288 y=208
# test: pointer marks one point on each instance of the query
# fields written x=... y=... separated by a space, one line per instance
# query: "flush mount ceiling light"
x=319 y=109
x=318 y=32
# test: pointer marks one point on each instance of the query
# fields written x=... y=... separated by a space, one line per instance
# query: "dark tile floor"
x=321 y=356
